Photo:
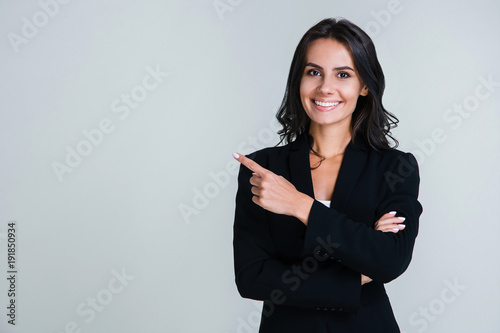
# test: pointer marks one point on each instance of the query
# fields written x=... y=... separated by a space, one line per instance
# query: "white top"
x=325 y=202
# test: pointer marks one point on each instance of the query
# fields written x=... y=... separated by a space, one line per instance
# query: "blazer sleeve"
x=381 y=256
x=261 y=275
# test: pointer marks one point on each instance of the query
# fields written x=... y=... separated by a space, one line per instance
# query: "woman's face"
x=330 y=85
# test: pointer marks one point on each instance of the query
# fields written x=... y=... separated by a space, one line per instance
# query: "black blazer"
x=310 y=277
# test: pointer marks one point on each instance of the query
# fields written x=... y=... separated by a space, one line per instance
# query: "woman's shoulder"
x=393 y=161
x=388 y=158
x=390 y=153
x=396 y=154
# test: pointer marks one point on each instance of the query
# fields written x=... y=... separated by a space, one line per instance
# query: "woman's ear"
x=364 y=91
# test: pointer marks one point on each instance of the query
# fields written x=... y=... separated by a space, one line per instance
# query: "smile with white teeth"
x=324 y=104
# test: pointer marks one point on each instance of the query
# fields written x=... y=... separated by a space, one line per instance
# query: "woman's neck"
x=328 y=141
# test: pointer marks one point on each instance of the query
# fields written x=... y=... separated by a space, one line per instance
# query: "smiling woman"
x=318 y=226
x=329 y=94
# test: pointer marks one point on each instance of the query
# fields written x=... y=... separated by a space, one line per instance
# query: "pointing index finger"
x=251 y=164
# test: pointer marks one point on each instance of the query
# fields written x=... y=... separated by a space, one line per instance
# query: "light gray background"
x=119 y=210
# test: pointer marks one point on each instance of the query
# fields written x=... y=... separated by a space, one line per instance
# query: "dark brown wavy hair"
x=371 y=122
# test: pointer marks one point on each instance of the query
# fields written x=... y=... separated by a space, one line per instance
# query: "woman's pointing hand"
x=275 y=193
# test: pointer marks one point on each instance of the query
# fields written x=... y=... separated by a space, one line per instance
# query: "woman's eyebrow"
x=311 y=64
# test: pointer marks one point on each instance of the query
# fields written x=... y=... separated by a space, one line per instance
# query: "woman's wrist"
x=303 y=208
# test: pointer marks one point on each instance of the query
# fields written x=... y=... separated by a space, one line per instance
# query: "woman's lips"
x=324 y=105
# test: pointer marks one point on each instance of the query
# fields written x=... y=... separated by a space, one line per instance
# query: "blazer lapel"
x=300 y=167
x=350 y=170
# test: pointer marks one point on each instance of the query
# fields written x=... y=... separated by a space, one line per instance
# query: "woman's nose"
x=327 y=86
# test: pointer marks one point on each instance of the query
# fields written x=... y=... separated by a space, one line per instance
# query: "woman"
x=318 y=224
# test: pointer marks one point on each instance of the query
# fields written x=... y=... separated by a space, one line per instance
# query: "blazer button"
x=321 y=253
x=332 y=309
x=317 y=309
x=340 y=309
x=325 y=309
x=334 y=259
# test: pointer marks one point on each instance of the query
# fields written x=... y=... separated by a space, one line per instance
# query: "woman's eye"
x=313 y=72
x=343 y=75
